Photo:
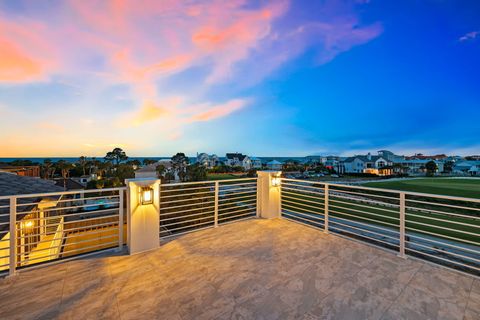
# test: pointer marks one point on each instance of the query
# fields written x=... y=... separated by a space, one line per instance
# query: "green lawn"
x=469 y=188
x=224 y=176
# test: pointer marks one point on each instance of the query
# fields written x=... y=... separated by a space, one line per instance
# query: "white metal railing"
x=44 y=227
x=192 y=206
x=441 y=229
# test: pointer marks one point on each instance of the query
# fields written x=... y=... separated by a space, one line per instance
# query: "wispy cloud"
x=469 y=36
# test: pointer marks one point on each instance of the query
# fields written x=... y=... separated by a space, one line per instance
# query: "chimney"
x=369 y=156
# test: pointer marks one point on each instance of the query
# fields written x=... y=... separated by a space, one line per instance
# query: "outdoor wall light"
x=146 y=195
x=27 y=226
x=275 y=181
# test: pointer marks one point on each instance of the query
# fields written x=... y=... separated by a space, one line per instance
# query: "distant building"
x=150 y=171
x=238 y=160
x=466 y=167
x=420 y=156
x=368 y=164
x=24 y=171
x=474 y=170
x=208 y=161
x=418 y=166
x=69 y=184
x=256 y=163
x=274 y=165
x=85 y=179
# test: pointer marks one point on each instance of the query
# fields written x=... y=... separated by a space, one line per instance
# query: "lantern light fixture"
x=146 y=195
x=275 y=181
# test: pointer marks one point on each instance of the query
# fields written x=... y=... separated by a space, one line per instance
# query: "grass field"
x=469 y=188
x=223 y=176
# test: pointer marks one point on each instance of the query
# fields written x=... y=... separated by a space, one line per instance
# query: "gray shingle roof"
x=11 y=184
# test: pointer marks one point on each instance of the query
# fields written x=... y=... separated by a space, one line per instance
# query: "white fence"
x=442 y=229
x=55 y=226
x=40 y=228
x=192 y=206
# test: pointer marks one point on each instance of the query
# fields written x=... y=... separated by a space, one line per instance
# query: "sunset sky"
x=266 y=78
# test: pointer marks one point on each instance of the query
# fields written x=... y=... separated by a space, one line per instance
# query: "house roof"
x=69 y=184
x=274 y=162
x=364 y=158
x=12 y=184
x=239 y=156
x=153 y=167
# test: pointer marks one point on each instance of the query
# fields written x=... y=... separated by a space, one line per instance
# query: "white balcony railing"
x=192 y=206
x=55 y=226
x=442 y=229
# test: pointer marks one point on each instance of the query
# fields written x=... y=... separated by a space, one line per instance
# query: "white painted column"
x=143 y=221
x=268 y=195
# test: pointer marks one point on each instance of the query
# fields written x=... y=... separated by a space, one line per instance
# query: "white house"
x=208 y=161
x=238 y=160
x=274 y=165
x=367 y=164
x=418 y=166
x=150 y=171
x=256 y=162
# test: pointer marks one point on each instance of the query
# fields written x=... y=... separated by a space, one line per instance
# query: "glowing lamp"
x=275 y=181
x=146 y=195
x=28 y=225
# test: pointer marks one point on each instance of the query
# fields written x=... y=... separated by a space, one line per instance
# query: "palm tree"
x=82 y=161
x=47 y=168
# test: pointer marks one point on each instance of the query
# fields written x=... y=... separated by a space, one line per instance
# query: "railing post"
x=401 y=252
x=217 y=189
x=120 y=219
x=268 y=194
x=13 y=236
x=325 y=214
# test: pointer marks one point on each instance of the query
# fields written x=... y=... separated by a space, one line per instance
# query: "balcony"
x=328 y=252
x=255 y=269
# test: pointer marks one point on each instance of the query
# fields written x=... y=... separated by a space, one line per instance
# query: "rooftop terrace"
x=254 y=269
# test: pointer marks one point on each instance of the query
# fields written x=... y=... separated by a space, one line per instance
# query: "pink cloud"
x=110 y=42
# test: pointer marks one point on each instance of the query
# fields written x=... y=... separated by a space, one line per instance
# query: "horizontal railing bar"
x=109 y=223
x=187 y=221
x=303 y=181
x=443 y=228
x=289 y=207
x=186 y=205
x=366 y=230
x=361 y=217
x=188 y=227
x=68 y=215
x=322 y=207
x=181 y=184
x=443 y=243
x=239 y=204
x=441 y=235
x=253 y=183
x=363 y=223
x=239 y=215
x=62 y=193
x=76 y=250
x=189 y=199
x=72 y=222
x=303 y=216
x=364 y=236
x=372 y=202
x=252 y=188
x=70 y=200
x=363 y=206
x=184 y=189
x=73 y=235
x=446 y=213
x=332 y=192
x=184 y=216
x=186 y=232
x=68 y=208
x=291 y=195
x=447 y=260
x=443 y=220
x=442 y=205
x=364 y=212
x=442 y=251
x=235 y=211
x=228 y=193
x=246 y=197
x=300 y=187
x=307 y=192
x=186 y=194
x=180 y=211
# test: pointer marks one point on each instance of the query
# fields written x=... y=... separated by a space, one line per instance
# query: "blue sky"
x=264 y=78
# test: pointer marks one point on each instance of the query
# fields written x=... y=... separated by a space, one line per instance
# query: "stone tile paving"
x=257 y=269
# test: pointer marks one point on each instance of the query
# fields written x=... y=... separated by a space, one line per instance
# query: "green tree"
x=47 y=169
x=179 y=165
x=146 y=162
x=82 y=161
x=448 y=166
x=196 y=172
x=161 y=170
x=116 y=156
x=431 y=167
